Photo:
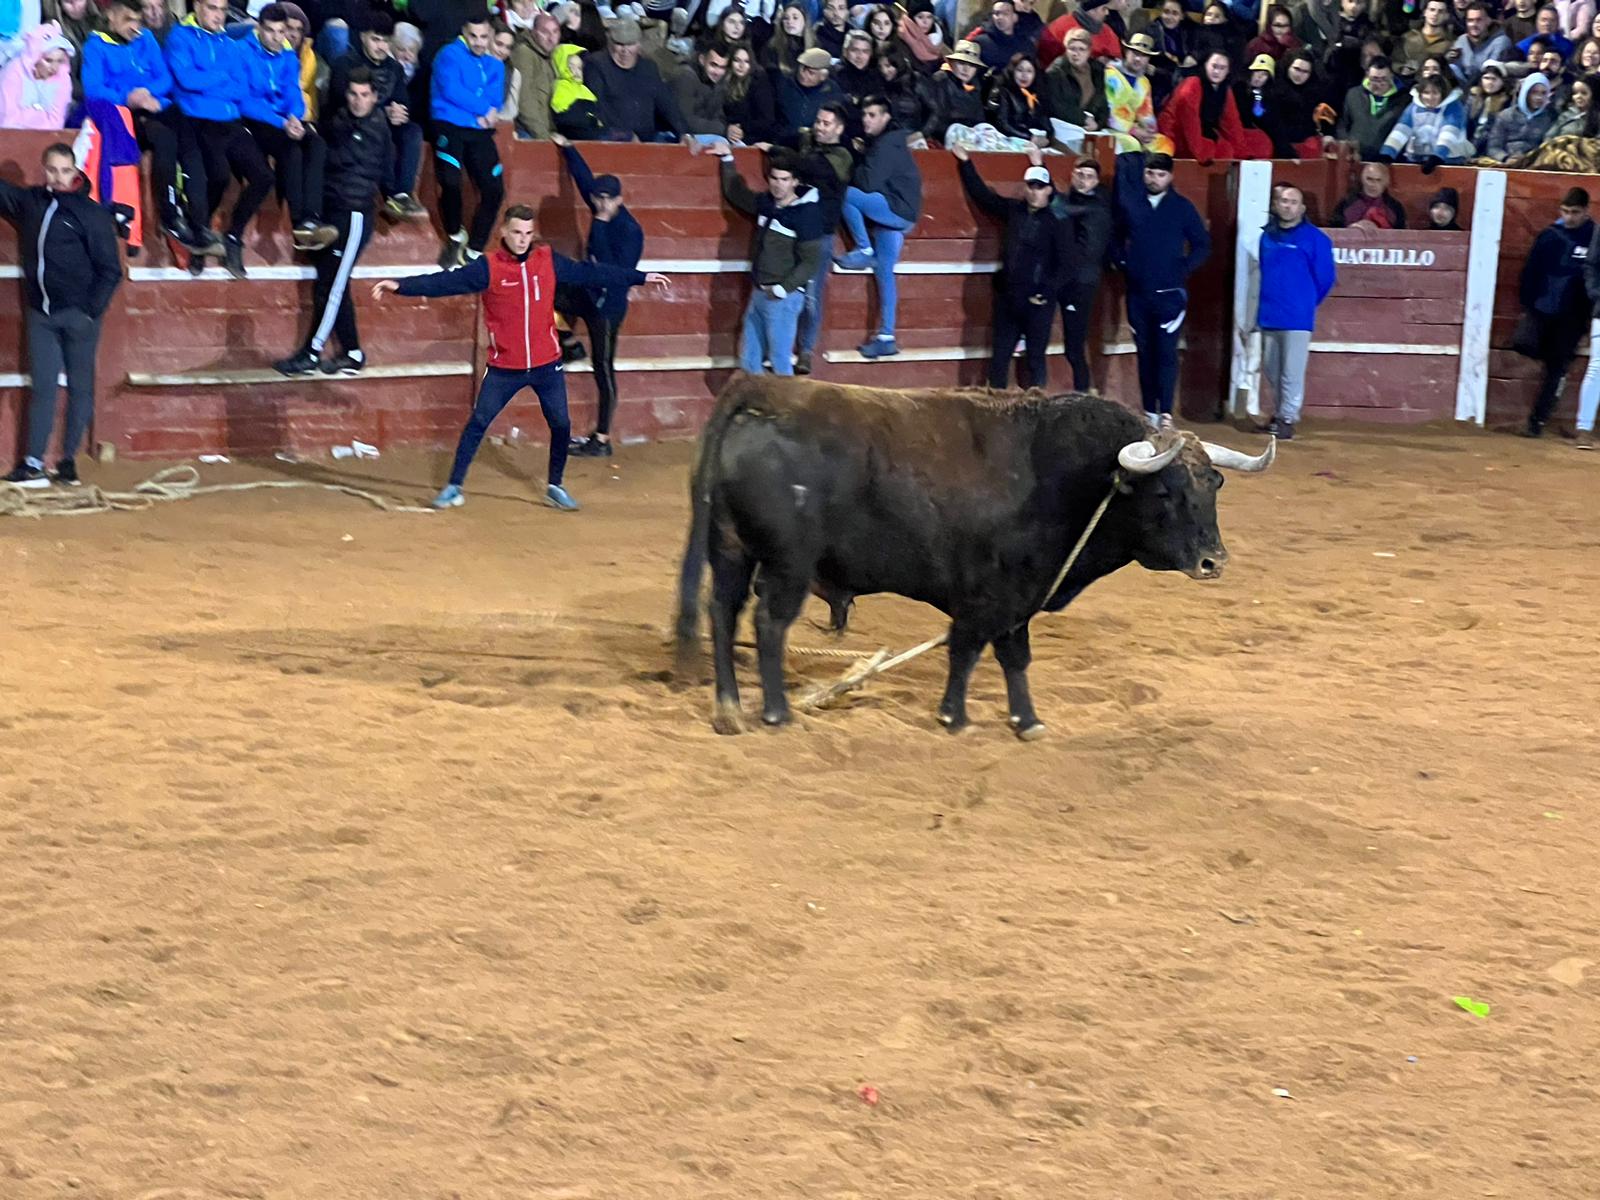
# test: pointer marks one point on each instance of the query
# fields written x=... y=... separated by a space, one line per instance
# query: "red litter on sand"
x=868 y=1093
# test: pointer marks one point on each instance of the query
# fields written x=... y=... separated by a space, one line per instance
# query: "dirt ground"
x=352 y=855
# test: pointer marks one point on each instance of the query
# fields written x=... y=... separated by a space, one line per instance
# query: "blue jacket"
x=272 y=83
x=466 y=86
x=618 y=242
x=1297 y=273
x=1552 y=277
x=207 y=72
x=112 y=68
x=1160 y=245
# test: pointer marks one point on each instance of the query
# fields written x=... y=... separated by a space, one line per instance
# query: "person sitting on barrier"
x=882 y=204
x=1432 y=130
x=124 y=65
x=71 y=268
x=1369 y=205
x=1371 y=110
x=1520 y=127
x=1442 y=210
x=274 y=112
x=374 y=53
x=467 y=86
x=1554 y=298
x=518 y=282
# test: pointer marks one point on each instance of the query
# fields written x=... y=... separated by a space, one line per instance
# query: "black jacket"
x=81 y=266
x=1063 y=98
x=829 y=170
x=634 y=101
x=886 y=166
x=358 y=158
x=1553 y=277
x=952 y=103
x=908 y=100
x=756 y=113
x=1037 y=253
x=1088 y=221
x=388 y=80
x=1010 y=114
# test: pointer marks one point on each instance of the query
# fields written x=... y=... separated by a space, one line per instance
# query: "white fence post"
x=1255 y=197
x=1483 y=274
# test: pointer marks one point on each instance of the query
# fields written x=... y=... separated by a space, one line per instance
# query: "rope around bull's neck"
x=881 y=661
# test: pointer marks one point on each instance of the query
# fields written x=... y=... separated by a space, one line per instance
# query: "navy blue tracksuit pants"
x=1149 y=314
x=549 y=383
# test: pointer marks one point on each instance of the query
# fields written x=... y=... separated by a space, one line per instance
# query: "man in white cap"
x=1035 y=261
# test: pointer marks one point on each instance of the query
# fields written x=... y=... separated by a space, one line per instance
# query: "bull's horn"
x=1142 y=458
x=1221 y=456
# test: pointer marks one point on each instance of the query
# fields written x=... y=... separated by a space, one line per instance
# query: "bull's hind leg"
x=1014 y=654
x=779 y=600
x=730 y=588
x=965 y=649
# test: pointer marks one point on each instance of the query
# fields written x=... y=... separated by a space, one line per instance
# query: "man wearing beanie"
x=1555 y=301
x=1034 y=264
x=1442 y=210
x=1159 y=242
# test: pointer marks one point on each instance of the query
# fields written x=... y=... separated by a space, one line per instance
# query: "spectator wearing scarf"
x=924 y=40
x=1202 y=117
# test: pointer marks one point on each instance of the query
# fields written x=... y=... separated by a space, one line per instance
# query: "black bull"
x=964 y=499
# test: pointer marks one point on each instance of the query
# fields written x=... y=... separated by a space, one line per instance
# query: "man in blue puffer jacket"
x=208 y=84
x=468 y=89
x=123 y=65
x=274 y=111
x=1297 y=273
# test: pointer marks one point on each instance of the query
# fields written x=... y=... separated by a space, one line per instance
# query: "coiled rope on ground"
x=169 y=484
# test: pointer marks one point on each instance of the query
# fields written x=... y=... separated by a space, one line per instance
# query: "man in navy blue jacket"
x=1553 y=295
x=468 y=89
x=1159 y=241
x=616 y=240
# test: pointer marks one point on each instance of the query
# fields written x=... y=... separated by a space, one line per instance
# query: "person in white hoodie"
x=1433 y=128
x=1519 y=129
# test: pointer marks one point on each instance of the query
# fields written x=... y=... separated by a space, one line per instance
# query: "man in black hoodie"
x=359 y=157
x=1033 y=268
x=72 y=267
x=1554 y=296
x=1087 y=212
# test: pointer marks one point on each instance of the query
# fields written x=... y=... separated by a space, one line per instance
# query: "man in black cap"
x=1554 y=297
x=1159 y=242
x=616 y=239
x=1034 y=263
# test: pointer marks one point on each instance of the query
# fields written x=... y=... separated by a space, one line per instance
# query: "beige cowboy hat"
x=1141 y=42
x=966 y=52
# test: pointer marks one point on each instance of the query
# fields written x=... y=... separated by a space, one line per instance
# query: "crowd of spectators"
x=219 y=92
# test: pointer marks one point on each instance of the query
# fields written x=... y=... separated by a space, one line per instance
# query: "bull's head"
x=1174 y=481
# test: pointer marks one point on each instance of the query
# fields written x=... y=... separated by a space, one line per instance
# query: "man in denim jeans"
x=888 y=193
x=783 y=258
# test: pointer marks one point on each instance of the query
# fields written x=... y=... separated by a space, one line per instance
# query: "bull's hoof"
x=953 y=722
x=1032 y=733
x=726 y=718
x=775 y=717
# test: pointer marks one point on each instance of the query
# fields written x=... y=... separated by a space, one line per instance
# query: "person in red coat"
x=1104 y=27
x=1277 y=36
x=1201 y=116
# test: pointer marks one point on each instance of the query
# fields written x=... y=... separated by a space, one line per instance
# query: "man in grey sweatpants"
x=1297 y=273
x=71 y=266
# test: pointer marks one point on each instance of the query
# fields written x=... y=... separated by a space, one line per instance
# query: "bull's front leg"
x=965 y=649
x=1013 y=654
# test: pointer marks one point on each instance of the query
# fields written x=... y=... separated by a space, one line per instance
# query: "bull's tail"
x=702 y=483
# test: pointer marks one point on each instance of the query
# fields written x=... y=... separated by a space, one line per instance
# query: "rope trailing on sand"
x=172 y=483
x=880 y=662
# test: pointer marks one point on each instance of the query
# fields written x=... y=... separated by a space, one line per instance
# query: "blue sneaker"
x=879 y=347
x=856 y=260
x=451 y=497
x=557 y=497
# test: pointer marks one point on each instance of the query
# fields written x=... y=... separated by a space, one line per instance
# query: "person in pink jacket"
x=36 y=85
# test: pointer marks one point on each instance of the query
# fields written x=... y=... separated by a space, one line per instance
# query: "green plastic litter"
x=1476 y=1007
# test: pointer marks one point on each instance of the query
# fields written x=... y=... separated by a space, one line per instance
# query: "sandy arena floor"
x=347 y=855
